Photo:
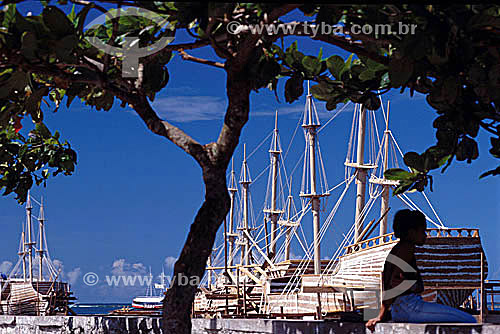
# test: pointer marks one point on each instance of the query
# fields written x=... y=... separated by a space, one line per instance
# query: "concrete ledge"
x=144 y=325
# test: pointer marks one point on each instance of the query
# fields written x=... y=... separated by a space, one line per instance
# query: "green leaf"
x=347 y=66
x=16 y=82
x=72 y=15
x=312 y=65
x=335 y=65
x=415 y=161
x=292 y=46
x=419 y=185
x=322 y=91
x=64 y=48
x=402 y=187
x=398 y=174
x=320 y=54
x=331 y=104
x=33 y=102
x=155 y=77
x=400 y=71
x=370 y=100
x=29 y=45
x=373 y=65
x=9 y=15
x=42 y=130
x=294 y=88
x=57 y=21
x=443 y=160
x=367 y=75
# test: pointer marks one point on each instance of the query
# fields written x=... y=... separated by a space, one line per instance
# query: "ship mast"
x=273 y=212
x=385 y=192
x=310 y=126
x=288 y=235
x=231 y=236
x=41 y=221
x=30 y=243
x=361 y=174
x=245 y=183
x=150 y=287
x=22 y=251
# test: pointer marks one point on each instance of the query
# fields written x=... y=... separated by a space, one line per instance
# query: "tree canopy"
x=452 y=57
x=450 y=53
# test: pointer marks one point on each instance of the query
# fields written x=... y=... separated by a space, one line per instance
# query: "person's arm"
x=420 y=282
x=387 y=278
x=382 y=315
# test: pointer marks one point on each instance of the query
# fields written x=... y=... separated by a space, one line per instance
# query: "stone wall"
x=143 y=325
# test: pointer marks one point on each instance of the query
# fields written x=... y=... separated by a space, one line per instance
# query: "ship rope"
x=432 y=208
x=350 y=148
x=349 y=237
x=406 y=200
x=260 y=144
x=295 y=280
x=334 y=116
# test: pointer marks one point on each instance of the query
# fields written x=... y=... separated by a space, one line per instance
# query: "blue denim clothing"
x=412 y=308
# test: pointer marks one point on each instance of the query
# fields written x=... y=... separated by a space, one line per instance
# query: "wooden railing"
x=453 y=232
x=431 y=233
x=372 y=242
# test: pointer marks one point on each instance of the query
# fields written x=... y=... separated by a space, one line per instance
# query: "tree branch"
x=137 y=101
x=86 y=3
x=350 y=46
x=186 y=56
x=248 y=45
x=488 y=128
x=178 y=47
x=343 y=43
x=163 y=128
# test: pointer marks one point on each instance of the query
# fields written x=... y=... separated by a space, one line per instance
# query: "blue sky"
x=133 y=196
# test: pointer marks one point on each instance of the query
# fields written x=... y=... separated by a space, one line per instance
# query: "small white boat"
x=150 y=301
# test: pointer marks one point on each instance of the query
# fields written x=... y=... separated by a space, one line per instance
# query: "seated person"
x=403 y=303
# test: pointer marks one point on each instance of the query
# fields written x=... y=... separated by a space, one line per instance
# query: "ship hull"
x=450 y=262
x=36 y=298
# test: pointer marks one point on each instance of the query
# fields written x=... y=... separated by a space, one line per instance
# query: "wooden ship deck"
x=452 y=260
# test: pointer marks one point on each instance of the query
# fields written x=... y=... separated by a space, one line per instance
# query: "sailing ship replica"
x=152 y=300
x=33 y=287
x=248 y=275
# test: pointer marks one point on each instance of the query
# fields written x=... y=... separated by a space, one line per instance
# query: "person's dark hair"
x=405 y=220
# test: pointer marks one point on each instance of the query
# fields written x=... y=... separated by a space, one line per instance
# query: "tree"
x=449 y=53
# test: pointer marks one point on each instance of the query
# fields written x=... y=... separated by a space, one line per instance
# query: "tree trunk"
x=190 y=267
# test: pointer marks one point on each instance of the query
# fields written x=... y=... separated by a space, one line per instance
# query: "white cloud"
x=74 y=275
x=5 y=267
x=296 y=110
x=58 y=264
x=122 y=267
x=170 y=262
x=190 y=108
x=206 y=108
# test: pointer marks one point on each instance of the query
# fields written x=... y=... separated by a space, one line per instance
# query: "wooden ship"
x=34 y=286
x=249 y=276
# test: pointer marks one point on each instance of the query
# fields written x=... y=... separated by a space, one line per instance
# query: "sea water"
x=92 y=309
x=89 y=308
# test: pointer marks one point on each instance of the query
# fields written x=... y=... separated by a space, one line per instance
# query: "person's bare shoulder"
x=403 y=252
